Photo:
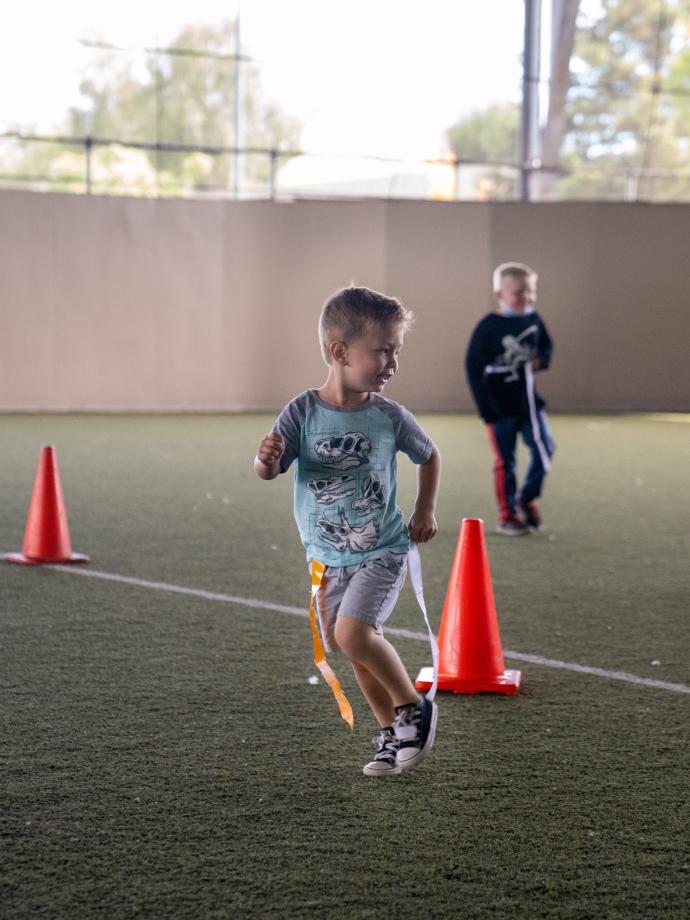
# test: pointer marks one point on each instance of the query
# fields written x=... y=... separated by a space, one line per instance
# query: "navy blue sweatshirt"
x=495 y=363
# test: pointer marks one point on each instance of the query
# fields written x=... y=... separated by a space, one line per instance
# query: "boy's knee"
x=342 y=633
x=351 y=634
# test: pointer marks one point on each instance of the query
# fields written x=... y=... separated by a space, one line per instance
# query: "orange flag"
x=317 y=570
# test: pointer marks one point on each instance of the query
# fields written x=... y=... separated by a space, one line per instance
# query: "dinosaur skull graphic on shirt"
x=341 y=452
x=345 y=536
x=328 y=491
x=372 y=497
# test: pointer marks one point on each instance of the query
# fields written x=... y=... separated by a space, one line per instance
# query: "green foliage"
x=486 y=136
x=170 y=98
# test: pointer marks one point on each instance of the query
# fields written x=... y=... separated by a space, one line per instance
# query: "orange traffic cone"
x=470 y=654
x=46 y=538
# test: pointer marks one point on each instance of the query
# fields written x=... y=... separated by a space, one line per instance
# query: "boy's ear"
x=338 y=352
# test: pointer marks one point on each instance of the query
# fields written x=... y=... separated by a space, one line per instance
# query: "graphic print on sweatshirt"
x=345 y=475
x=517 y=351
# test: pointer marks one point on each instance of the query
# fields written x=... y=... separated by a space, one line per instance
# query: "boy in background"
x=506 y=348
x=343 y=438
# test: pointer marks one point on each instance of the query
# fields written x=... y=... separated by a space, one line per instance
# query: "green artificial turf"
x=166 y=755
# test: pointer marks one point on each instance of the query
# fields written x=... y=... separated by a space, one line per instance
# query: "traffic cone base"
x=506 y=683
x=21 y=559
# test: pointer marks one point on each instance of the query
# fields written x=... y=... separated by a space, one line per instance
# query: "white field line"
x=403 y=633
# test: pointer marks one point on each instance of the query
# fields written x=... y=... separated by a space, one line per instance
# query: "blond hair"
x=352 y=311
x=513 y=270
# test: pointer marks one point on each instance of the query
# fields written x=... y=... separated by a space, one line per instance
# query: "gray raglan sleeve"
x=289 y=424
x=410 y=437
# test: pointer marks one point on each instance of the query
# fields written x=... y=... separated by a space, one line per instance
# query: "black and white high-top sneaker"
x=384 y=762
x=415 y=729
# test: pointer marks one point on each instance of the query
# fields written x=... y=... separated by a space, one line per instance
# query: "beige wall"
x=134 y=304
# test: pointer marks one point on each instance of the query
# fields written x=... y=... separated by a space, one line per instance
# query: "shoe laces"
x=386 y=744
x=407 y=722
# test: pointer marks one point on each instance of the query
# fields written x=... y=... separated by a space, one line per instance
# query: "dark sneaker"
x=531 y=513
x=384 y=762
x=512 y=526
x=415 y=729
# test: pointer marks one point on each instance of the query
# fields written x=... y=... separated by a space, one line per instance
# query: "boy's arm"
x=281 y=445
x=475 y=362
x=422 y=525
x=267 y=460
x=544 y=348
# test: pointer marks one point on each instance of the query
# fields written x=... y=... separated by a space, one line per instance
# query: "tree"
x=619 y=111
x=619 y=116
x=173 y=98
x=485 y=137
x=563 y=25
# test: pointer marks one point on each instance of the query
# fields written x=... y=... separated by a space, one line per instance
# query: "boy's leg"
x=541 y=447
x=414 y=717
x=328 y=599
x=368 y=602
x=375 y=584
x=379 y=699
x=503 y=439
x=372 y=652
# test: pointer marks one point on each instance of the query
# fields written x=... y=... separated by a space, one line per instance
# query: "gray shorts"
x=366 y=591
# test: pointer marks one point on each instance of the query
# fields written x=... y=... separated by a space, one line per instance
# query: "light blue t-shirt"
x=346 y=474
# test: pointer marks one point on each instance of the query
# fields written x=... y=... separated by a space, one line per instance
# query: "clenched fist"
x=271 y=449
x=422 y=526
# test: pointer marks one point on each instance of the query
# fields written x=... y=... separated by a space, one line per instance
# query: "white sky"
x=384 y=77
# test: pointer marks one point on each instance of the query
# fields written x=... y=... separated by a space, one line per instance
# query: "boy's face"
x=371 y=360
x=517 y=293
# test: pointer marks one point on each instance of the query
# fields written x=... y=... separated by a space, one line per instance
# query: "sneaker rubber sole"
x=373 y=769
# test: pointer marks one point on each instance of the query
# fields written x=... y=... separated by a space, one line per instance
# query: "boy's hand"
x=422 y=526
x=271 y=449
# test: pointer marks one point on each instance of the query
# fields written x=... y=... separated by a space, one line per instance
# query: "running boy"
x=505 y=350
x=343 y=438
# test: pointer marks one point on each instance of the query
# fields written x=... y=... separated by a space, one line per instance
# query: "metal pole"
x=88 y=146
x=529 y=127
x=239 y=111
x=159 y=119
x=273 y=176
